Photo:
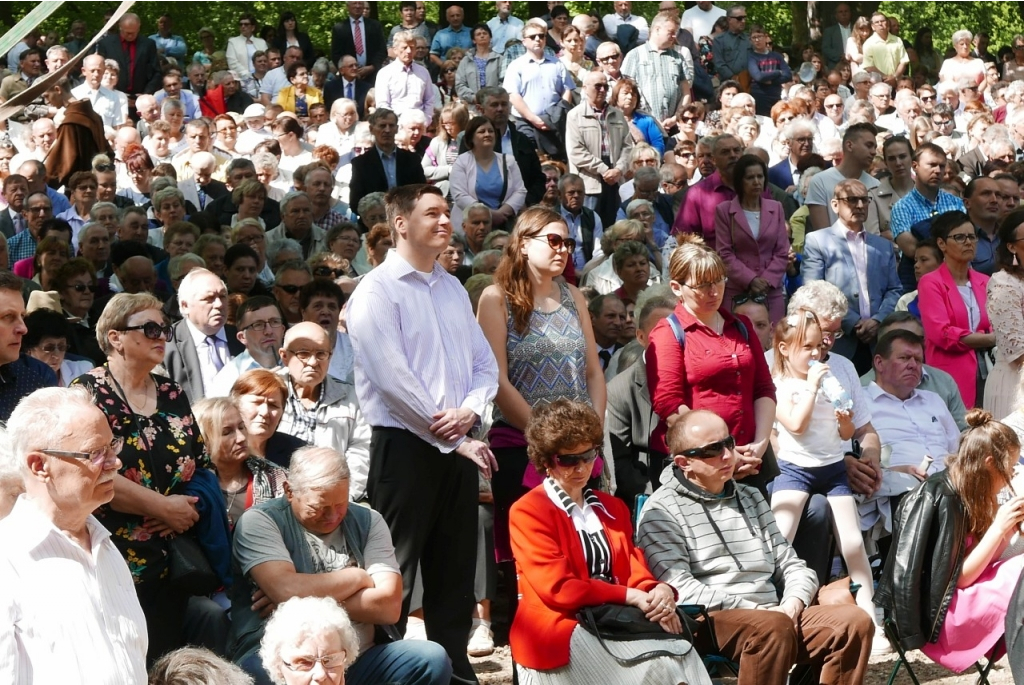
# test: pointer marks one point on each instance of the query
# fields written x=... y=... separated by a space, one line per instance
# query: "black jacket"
x=924 y=564
x=368 y=174
x=374 y=43
x=335 y=88
x=146 y=77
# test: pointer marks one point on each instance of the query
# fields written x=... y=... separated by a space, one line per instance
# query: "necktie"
x=202 y=196
x=19 y=223
x=605 y=357
x=218 y=363
x=359 y=39
x=349 y=92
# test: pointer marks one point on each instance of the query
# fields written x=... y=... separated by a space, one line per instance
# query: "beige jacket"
x=583 y=143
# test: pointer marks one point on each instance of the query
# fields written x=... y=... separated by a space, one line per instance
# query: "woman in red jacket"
x=574 y=548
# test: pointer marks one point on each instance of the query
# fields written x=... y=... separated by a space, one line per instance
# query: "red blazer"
x=553 y=578
x=944 y=316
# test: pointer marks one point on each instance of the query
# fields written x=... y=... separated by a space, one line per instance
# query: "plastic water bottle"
x=834 y=391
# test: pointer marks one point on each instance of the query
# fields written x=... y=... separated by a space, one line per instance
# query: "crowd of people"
x=303 y=351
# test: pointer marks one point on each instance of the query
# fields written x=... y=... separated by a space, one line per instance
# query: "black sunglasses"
x=555 y=242
x=743 y=298
x=569 y=461
x=328 y=272
x=82 y=287
x=152 y=330
x=290 y=289
x=104 y=167
x=709 y=451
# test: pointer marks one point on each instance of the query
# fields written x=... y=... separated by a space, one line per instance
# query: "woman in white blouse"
x=962 y=65
x=482 y=175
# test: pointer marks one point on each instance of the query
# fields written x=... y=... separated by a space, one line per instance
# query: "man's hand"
x=912 y=470
x=262 y=605
x=865 y=475
x=611 y=176
x=539 y=124
x=452 y=424
x=866 y=330
x=792 y=607
x=480 y=454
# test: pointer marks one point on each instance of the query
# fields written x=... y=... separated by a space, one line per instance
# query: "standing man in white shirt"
x=624 y=15
x=104 y=101
x=504 y=27
x=277 y=78
x=423 y=383
x=700 y=19
x=404 y=84
x=71 y=613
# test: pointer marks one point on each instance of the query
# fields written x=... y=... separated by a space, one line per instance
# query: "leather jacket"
x=924 y=564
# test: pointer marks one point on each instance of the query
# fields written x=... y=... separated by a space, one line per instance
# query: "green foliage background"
x=1002 y=20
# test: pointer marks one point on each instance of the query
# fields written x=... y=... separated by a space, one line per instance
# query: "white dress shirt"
x=418 y=349
x=106 y=103
x=914 y=427
x=68 y=616
x=206 y=366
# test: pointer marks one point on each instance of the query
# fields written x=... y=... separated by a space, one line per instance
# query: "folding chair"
x=892 y=633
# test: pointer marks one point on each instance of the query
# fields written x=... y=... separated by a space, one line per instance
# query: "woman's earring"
x=1015 y=263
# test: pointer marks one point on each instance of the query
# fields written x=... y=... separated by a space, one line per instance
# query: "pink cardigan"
x=944 y=316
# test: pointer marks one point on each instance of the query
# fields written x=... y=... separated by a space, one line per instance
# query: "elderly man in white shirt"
x=504 y=27
x=104 y=101
x=624 y=15
x=70 y=612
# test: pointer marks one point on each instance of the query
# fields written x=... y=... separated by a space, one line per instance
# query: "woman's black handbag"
x=623 y=623
x=190 y=571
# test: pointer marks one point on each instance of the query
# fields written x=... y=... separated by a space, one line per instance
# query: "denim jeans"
x=408 y=662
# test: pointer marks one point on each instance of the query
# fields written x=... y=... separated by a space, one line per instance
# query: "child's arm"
x=796 y=416
x=845 y=421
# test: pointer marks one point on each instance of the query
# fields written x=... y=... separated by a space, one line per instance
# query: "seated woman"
x=244 y=479
x=299 y=96
x=76 y=286
x=574 y=549
x=308 y=634
x=344 y=241
x=249 y=196
x=948 y=596
x=52 y=253
x=482 y=175
x=241 y=266
x=47 y=340
x=261 y=395
x=634 y=270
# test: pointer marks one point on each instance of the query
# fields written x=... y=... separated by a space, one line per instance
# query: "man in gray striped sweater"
x=716 y=542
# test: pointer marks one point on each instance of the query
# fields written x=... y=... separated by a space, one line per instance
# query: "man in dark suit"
x=384 y=166
x=347 y=85
x=630 y=418
x=136 y=55
x=223 y=208
x=833 y=39
x=202 y=344
x=12 y=218
x=371 y=40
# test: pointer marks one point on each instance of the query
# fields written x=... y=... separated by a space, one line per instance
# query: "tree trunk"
x=801 y=34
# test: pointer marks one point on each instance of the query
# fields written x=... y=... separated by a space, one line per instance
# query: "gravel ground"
x=497 y=670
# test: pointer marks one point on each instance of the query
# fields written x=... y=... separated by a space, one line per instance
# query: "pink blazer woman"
x=747 y=257
x=944 y=316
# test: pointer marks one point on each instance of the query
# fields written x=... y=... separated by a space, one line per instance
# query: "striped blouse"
x=596 y=550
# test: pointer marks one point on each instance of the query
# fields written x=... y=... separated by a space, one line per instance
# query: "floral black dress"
x=161 y=452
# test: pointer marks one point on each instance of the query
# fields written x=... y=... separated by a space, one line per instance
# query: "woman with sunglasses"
x=162 y=451
x=574 y=549
x=76 y=285
x=445 y=92
x=47 y=340
x=330 y=266
x=962 y=65
x=957 y=333
x=721 y=367
x=540 y=331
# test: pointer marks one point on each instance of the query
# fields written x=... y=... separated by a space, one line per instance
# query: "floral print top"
x=161 y=452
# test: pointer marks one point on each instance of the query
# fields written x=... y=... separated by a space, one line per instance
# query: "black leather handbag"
x=623 y=623
x=190 y=570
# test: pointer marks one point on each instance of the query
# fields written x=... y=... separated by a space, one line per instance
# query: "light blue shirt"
x=390 y=166
x=173 y=46
x=504 y=31
x=448 y=38
x=188 y=99
x=540 y=82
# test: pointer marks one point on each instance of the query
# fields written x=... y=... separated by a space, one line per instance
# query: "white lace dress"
x=1005 y=306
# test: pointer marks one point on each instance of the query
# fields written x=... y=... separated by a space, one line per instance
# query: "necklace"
x=127 y=400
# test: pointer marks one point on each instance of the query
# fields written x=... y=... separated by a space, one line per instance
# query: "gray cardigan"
x=467 y=78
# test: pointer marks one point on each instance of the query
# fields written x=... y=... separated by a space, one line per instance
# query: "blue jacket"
x=212 y=530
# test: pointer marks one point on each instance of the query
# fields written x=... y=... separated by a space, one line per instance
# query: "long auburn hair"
x=513 y=275
x=971 y=478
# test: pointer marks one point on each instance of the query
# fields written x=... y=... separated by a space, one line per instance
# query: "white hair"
x=40 y=421
x=298 y=619
x=188 y=284
x=316 y=468
x=962 y=34
x=412 y=116
x=820 y=297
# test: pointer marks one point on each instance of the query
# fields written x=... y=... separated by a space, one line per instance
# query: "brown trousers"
x=835 y=640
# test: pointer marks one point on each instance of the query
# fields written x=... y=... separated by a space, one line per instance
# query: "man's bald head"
x=137 y=275
x=691 y=429
x=305 y=334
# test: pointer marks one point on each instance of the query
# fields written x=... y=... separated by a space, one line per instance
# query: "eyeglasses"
x=804 y=141
x=535 y=36
x=328 y=272
x=260 y=326
x=152 y=330
x=82 y=287
x=571 y=461
x=743 y=298
x=855 y=201
x=104 y=167
x=305 y=355
x=290 y=289
x=709 y=451
x=833 y=105
x=105 y=455
x=556 y=242
x=963 y=238
x=831 y=335
x=305 y=664
x=704 y=288
x=927 y=98
x=56 y=348
x=609 y=58
x=942 y=122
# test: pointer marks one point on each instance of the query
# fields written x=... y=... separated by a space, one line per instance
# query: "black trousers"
x=165 y=610
x=429 y=501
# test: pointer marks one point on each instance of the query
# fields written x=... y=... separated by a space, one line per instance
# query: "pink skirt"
x=976 y=616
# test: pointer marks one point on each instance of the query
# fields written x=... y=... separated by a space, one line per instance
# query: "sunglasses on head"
x=743 y=298
x=573 y=460
x=152 y=330
x=328 y=272
x=555 y=241
x=709 y=451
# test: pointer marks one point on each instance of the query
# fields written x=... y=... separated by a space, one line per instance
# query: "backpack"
x=677 y=329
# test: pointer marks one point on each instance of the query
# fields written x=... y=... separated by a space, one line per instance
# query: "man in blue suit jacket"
x=860 y=264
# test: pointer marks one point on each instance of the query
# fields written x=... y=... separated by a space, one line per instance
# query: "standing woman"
x=962 y=65
x=541 y=335
x=572 y=55
x=750 y=232
x=855 y=43
x=288 y=35
x=479 y=68
x=482 y=175
x=1005 y=305
x=952 y=299
x=927 y=57
x=162 y=452
x=721 y=367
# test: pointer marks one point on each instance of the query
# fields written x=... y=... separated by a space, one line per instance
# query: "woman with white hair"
x=309 y=639
x=268 y=174
x=962 y=65
x=414 y=123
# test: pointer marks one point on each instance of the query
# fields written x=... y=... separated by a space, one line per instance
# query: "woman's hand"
x=1009 y=517
x=661 y=603
x=636 y=598
x=672 y=624
x=759 y=285
x=179 y=512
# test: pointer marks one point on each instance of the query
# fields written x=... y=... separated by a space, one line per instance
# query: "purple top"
x=698 y=212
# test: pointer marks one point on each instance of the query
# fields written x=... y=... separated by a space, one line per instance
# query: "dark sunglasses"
x=743 y=298
x=328 y=272
x=600 y=86
x=535 y=36
x=82 y=287
x=555 y=241
x=152 y=330
x=290 y=289
x=449 y=71
x=104 y=167
x=709 y=451
x=569 y=461
x=609 y=58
